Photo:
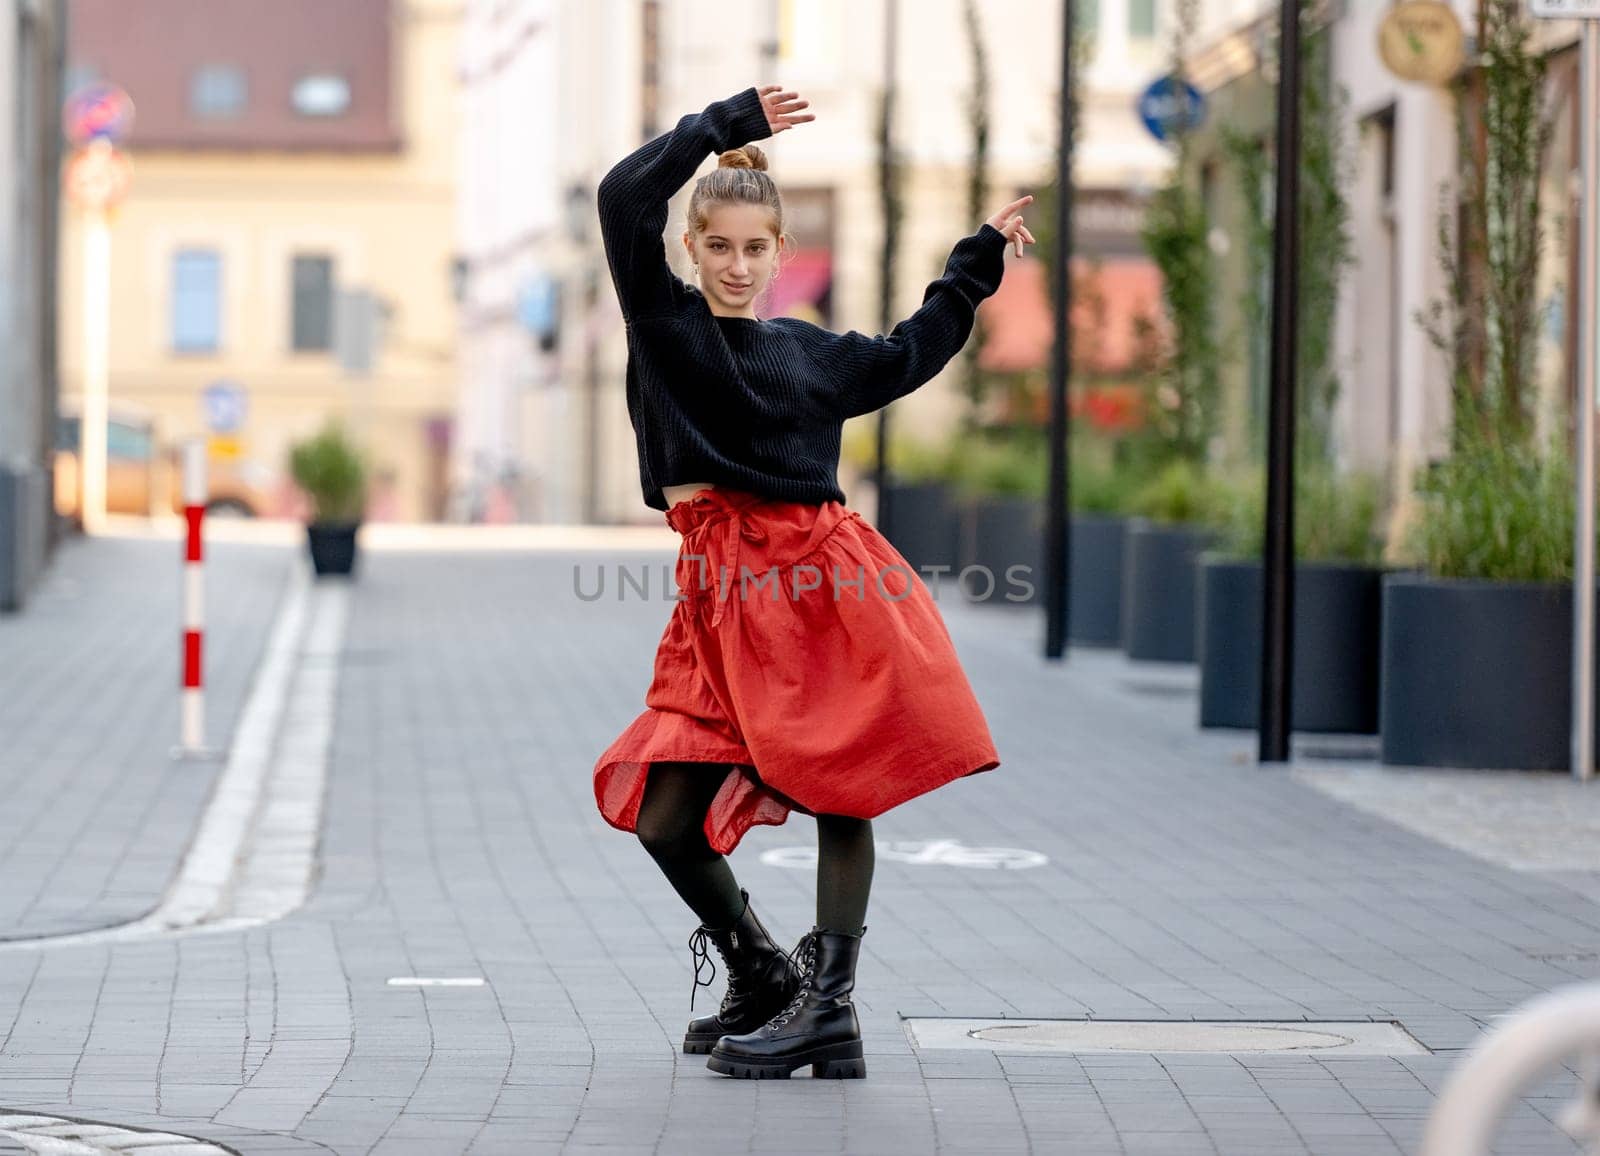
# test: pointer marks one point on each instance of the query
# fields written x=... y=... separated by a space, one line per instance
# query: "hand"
x=783 y=108
x=1009 y=223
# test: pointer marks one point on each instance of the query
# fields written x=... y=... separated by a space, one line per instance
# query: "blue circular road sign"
x=1171 y=106
x=225 y=406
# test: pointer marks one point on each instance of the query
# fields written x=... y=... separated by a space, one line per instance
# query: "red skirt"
x=806 y=663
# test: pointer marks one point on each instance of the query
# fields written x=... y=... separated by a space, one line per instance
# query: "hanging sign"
x=1422 y=41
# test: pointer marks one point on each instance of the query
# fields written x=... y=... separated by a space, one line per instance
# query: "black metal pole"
x=1277 y=625
x=891 y=225
x=1058 y=527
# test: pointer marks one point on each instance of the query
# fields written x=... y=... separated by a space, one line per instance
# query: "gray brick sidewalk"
x=97 y=814
x=462 y=840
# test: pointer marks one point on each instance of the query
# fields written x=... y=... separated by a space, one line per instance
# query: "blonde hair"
x=740 y=178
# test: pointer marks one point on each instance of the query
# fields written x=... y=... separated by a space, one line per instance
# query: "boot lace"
x=805 y=950
x=702 y=959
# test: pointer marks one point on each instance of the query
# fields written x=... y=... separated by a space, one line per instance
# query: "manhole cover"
x=1220 y=1036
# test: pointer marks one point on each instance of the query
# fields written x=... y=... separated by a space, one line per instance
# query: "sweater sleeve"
x=632 y=198
x=873 y=371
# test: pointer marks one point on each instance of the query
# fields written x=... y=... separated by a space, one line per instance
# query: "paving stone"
x=461 y=838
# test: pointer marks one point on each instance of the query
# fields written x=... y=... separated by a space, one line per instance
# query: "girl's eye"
x=716 y=246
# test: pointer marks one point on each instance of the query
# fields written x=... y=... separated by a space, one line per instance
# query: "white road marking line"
x=253 y=856
x=54 y=1136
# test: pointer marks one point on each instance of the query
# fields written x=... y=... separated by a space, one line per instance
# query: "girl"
x=834 y=689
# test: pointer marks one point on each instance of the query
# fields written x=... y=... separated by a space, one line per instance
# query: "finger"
x=801 y=119
x=1028 y=236
x=766 y=88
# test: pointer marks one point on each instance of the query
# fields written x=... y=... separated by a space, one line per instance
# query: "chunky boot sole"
x=831 y=1062
x=699 y=1044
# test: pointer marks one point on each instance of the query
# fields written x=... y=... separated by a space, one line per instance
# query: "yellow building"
x=289 y=162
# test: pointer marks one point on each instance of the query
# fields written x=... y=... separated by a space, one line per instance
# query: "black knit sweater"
x=756 y=405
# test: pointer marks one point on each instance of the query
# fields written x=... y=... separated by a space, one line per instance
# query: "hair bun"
x=749 y=157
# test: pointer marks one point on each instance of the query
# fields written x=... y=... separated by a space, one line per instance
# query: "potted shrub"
x=1177 y=515
x=330 y=471
x=1101 y=495
x=999 y=478
x=924 y=524
x=1337 y=607
x=1477 y=650
x=1495 y=537
x=1337 y=575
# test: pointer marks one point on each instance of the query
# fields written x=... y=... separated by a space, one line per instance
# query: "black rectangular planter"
x=1338 y=620
x=1159 y=590
x=925 y=523
x=1095 y=616
x=1002 y=548
x=333 y=547
x=1476 y=674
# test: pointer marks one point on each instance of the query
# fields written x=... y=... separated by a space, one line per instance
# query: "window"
x=196 y=300
x=217 y=92
x=322 y=95
x=126 y=442
x=1142 y=19
x=312 y=306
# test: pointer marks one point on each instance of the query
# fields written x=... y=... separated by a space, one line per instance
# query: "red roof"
x=154 y=49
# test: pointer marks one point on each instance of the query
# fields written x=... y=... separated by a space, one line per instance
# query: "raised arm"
x=632 y=199
x=873 y=371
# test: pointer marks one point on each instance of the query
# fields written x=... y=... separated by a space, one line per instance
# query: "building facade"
x=32 y=34
x=1393 y=414
x=294 y=185
x=557 y=91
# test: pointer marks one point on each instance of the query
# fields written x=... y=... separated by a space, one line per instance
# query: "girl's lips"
x=734 y=288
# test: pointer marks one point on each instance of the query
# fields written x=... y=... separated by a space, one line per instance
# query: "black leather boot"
x=818 y=1027
x=761 y=979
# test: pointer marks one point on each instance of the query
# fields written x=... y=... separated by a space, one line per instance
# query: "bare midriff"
x=676 y=494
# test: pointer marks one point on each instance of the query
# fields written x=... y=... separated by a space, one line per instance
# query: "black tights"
x=671 y=826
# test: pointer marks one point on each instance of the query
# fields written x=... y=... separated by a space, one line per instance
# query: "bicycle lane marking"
x=923 y=853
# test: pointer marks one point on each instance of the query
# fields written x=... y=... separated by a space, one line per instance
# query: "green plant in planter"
x=329 y=469
x=1004 y=465
x=1336 y=517
x=1498 y=510
x=1100 y=489
x=1183 y=493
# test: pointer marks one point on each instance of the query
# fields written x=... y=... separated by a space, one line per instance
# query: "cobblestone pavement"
x=461 y=840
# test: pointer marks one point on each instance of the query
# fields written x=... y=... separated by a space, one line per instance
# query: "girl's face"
x=737 y=253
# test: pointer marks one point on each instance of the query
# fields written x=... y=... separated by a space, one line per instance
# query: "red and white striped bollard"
x=194 y=510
